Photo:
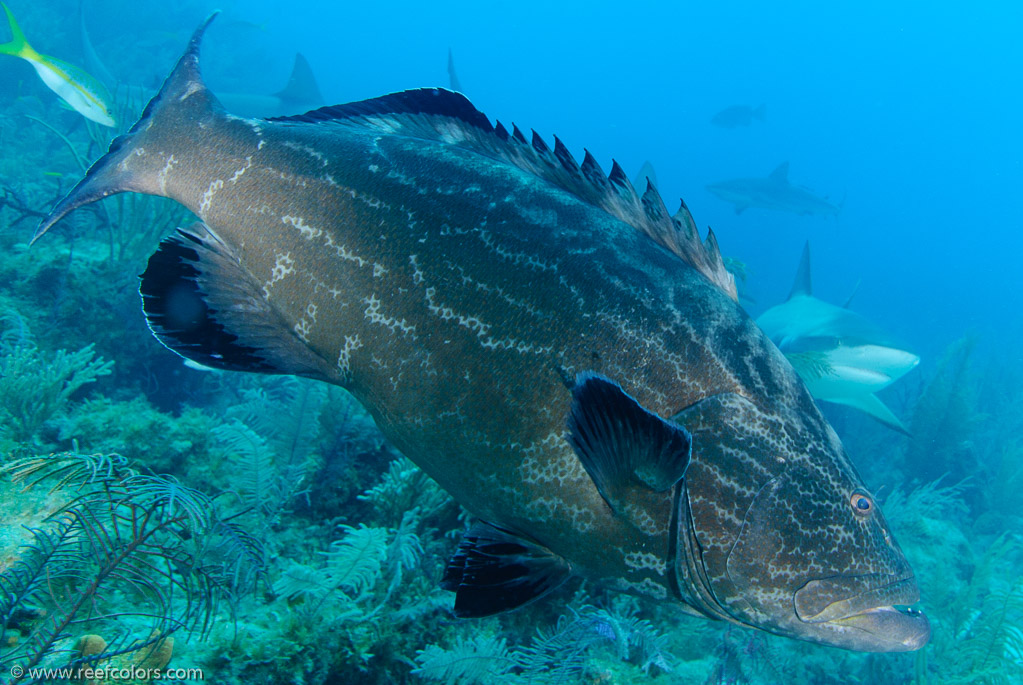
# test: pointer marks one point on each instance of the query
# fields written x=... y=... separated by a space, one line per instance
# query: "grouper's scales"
x=453 y=294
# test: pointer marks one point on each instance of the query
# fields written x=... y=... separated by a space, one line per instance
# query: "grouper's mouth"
x=886 y=629
x=877 y=619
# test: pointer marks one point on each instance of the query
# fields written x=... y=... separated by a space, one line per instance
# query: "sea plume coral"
x=125 y=544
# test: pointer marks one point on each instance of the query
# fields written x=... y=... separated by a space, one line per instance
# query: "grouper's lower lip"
x=886 y=629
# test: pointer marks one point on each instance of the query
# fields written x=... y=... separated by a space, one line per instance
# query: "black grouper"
x=558 y=352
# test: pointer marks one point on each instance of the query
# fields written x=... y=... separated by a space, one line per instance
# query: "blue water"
x=906 y=114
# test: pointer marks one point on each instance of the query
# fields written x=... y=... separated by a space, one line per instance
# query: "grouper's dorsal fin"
x=802 y=286
x=439 y=114
x=182 y=100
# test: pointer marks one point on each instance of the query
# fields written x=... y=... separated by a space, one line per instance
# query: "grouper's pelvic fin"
x=495 y=570
x=441 y=115
x=182 y=100
x=201 y=303
x=621 y=444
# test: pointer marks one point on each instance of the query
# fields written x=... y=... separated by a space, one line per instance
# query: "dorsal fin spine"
x=617 y=175
x=539 y=145
x=517 y=135
x=653 y=205
x=593 y=173
x=565 y=157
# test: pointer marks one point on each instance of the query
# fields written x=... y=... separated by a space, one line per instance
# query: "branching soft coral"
x=125 y=545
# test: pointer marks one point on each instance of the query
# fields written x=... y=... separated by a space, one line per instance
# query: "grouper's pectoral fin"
x=495 y=570
x=621 y=444
x=201 y=303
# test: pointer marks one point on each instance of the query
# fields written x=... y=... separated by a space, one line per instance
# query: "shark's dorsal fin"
x=302 y=87
x=801 y=286
x=646 y=173
x=780 y=174
x=452 y=76
x=442 y=115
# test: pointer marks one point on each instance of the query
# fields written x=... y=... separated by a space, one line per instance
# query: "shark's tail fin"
x=302 y=89
x=17 y=46
x=170 y=116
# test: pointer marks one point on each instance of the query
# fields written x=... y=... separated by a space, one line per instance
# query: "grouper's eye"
x=862 y=503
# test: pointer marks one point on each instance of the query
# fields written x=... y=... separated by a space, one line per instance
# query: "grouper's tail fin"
x=127 y=166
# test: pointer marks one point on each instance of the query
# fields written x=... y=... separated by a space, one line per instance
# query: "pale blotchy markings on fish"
x=559 y=353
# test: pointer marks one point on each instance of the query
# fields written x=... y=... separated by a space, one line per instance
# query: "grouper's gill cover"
x=552 y=347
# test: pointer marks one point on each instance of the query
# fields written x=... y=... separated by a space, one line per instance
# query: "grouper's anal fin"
x=203 y=304
x=182 y=99
x=442 y=115
x=495 y=570
x=621 y=444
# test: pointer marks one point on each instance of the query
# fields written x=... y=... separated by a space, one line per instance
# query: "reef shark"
x=841 y=356
x=559 y=352
x=774 y=192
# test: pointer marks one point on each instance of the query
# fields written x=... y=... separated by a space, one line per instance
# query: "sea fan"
x=402 y=488
x=944 y=419
x=257 y=482
x=271 y=438
x=353 y=567
x=481 y=659
x=355 y=561
x=35 y=386
x=124 y=545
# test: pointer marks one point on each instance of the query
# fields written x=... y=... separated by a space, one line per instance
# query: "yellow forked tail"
x=17 y=46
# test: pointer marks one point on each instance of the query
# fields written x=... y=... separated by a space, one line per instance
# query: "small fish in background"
x=455 y=84
x=842 y=357
x=739 y=115
x=774 y=192
x=73 y=85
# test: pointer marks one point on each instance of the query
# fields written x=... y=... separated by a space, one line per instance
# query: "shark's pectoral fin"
x=621 y=444
x=495 y=570
x=203 y=304
x=870 y=404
